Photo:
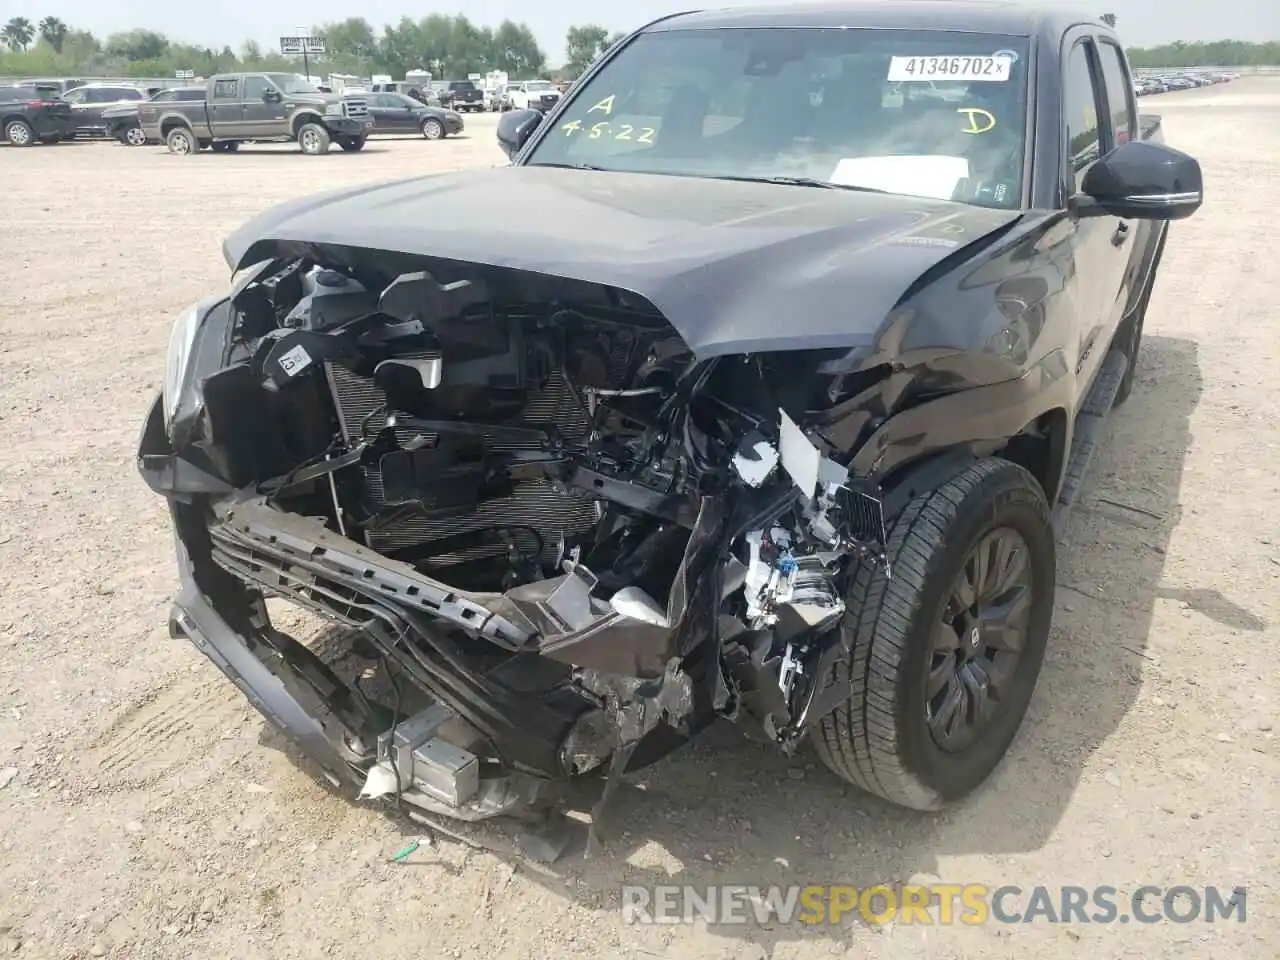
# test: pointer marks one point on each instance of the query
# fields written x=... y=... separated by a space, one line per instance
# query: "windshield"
x=924 y=113
x=292 y=83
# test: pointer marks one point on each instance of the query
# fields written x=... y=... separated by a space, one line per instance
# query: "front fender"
x=979 y=419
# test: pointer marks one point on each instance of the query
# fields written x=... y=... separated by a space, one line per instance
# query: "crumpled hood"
x=734 y=267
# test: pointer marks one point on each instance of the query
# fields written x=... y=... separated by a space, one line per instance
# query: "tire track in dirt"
x=162 y=730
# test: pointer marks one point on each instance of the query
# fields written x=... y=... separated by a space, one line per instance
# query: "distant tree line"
x=448 y=46
x=1217 y=53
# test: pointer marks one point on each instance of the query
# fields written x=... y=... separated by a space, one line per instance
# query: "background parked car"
x=33 y=114
x=89 y=102
x=122 y=122
x=400 y=113
x=415 y=90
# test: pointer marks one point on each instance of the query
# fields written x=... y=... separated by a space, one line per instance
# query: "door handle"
x=1120 y=236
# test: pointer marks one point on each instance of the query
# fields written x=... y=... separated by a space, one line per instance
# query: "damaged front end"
x=563 y=540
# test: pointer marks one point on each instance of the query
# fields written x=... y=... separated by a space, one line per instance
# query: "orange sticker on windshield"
x=980 y=121
x=605 y=106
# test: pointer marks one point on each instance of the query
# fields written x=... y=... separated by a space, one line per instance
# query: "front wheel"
x=134 y=137
x=944 y=657
x=19 y=133
x=432 y=129
x=313 y=139
x=352 y=144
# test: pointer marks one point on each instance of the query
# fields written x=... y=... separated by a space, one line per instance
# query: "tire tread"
x=859 y=741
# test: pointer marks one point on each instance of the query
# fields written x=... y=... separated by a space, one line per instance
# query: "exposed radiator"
x=536 y=505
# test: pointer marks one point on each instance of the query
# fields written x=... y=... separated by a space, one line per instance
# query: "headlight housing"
x=197 y=345
x=333 y=109
x=454 y=115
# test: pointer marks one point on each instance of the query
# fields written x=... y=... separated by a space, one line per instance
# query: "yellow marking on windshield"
x=976 y=114
x=604 y=106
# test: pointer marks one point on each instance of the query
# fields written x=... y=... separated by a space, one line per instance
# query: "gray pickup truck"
x=259 y=107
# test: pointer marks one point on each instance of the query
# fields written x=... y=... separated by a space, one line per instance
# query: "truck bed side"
x=158 y=119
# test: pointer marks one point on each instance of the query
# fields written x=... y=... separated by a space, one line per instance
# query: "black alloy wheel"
x=978 y=639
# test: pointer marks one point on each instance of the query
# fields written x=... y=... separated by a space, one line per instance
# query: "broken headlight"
x=197 y=344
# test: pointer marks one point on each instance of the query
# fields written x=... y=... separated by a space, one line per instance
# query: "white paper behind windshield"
x=934 y=177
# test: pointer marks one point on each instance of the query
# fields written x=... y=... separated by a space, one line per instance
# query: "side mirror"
x=515 y=128
x=271 y=96
x=1141 y=180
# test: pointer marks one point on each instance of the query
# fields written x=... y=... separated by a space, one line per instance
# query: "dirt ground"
x=146 y=812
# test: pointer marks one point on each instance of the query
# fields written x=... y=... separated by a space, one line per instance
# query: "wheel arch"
x=1027 y=420
x=1040 y=446
x=169 y=124
x=302 y=118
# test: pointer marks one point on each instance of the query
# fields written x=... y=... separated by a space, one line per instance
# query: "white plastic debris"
x=380 y=782
x=800 y=458
x=755 y=462
x=635 y=603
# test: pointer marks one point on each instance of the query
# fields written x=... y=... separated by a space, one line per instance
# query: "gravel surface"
x=146 y=812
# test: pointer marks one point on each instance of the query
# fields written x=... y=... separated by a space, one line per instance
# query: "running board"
x=1088 y=432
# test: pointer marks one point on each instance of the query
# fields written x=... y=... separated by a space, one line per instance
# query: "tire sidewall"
x=19 y=125
x=321 y=137
x=174 y=137
x=430 y=123
x=999 y=501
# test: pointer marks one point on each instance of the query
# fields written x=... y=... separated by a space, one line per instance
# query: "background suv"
x=33 y=114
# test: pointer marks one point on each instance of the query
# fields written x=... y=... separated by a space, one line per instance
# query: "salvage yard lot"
x=146 y=812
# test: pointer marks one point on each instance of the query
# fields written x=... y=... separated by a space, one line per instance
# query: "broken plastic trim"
x=558 y=618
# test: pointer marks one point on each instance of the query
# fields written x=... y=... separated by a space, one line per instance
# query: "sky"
x=1141 y=22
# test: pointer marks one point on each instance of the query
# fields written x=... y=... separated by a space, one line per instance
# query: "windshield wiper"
x=804 y=182
x=566 y=166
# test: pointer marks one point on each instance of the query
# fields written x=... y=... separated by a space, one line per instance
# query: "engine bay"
x=502 y=467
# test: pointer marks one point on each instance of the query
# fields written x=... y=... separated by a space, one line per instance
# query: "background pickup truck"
x=258 y=107
x=461 y=95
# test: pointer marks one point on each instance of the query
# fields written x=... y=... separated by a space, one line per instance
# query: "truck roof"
x=1005 y=17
